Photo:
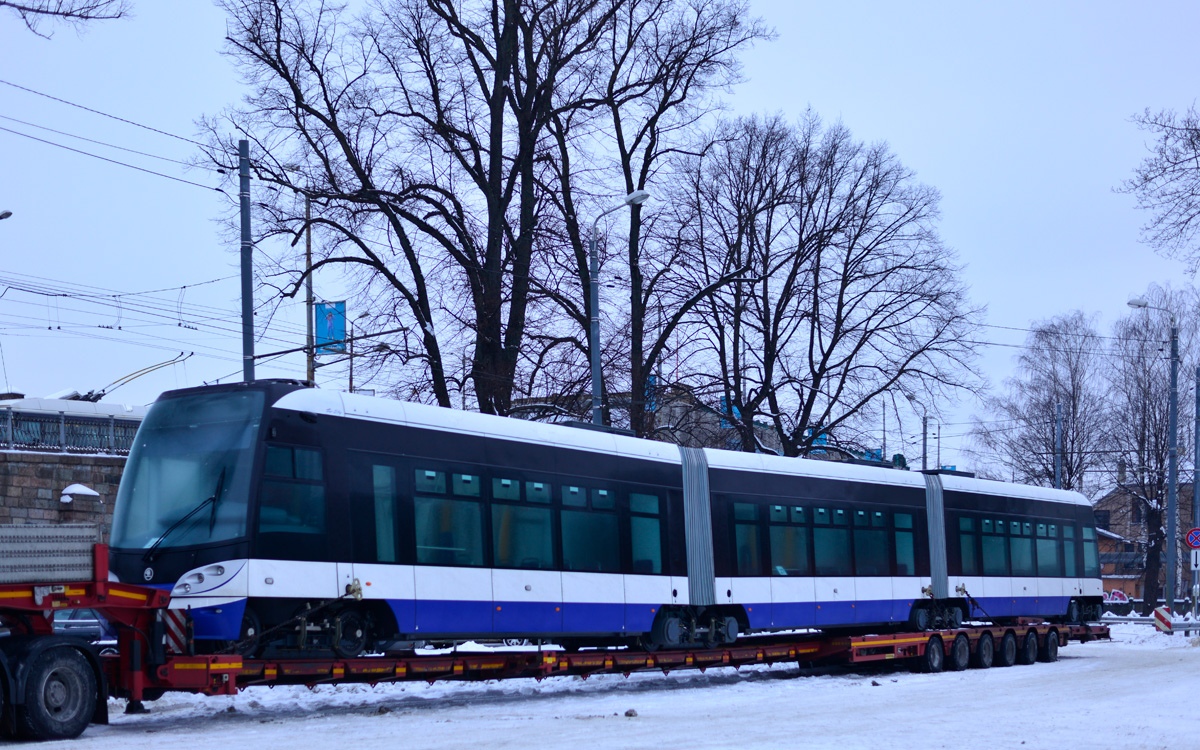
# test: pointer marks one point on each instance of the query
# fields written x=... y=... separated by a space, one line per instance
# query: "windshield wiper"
x=149 y=554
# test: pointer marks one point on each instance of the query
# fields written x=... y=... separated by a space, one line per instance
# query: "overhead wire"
x=114 y=161
x=92 y=140
x=102 y=114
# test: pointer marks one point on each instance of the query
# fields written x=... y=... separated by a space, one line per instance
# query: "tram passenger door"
x=376 y=568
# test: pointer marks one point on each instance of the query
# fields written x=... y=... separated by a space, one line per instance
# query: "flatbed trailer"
x=53 y=686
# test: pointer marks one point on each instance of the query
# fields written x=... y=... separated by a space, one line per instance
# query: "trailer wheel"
x=60 y=696
x=934 y=657
x=1049 y=649
x=985 y=652
x=1029 y=648
x=1006 y=656
x=960 y=653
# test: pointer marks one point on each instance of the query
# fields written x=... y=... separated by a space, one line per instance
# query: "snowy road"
x=1131 y=693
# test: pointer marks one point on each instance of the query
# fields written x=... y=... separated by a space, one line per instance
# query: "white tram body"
x=436 y=524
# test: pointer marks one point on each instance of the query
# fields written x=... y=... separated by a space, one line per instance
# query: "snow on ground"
x=1131 y=693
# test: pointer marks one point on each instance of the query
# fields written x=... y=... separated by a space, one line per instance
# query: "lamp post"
x=636 y=198
x=924 y=431
x=1172 y=450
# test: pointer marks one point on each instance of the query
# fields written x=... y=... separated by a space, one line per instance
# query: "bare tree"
x=1167 y=183
x=419 y=127
x=1063 y=362
x=34 y=13
x=853 y=294
x=663 y=62
x=1139 y=393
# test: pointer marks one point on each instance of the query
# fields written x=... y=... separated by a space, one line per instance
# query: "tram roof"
x=335 y=403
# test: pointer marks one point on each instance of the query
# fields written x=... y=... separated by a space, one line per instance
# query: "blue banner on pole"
x=330 y=327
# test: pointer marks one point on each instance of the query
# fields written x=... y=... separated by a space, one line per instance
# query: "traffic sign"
x=1193 y=538
x=1196 y=559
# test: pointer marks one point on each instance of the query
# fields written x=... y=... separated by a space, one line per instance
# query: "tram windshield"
x=188 y=476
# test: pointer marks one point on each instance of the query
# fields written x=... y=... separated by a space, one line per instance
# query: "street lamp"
x=636 y=198
x=1139 y=303
x=5 y=214
x=924 y=431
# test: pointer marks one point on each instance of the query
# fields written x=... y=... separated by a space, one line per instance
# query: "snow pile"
x=1139 y=635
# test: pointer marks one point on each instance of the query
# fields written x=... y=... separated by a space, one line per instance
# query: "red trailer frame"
x=32 y=657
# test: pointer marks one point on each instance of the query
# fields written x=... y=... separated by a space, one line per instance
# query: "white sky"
x=1018 y=113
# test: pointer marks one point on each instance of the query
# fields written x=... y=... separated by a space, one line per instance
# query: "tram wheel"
x=1073 y=612
x=934 y=657
x=985 y=652
x=1006 y=655
x=248 y=643
x=60 y=696
x=1049 y=650
x=919 y=618
x=960 y=653
x=1029 y=648
x=350 y=634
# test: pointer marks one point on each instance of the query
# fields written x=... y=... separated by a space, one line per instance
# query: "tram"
x=287 y=516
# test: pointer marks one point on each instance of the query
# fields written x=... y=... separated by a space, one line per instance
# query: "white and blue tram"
x=271 y=508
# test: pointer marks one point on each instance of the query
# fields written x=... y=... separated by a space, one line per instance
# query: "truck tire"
x=1029 y=648
x=1006 y=655
x=60 y=696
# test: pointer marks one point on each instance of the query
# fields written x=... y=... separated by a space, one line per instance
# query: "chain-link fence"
x=66 y=433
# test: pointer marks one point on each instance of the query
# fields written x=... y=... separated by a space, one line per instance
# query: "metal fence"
x=67 y=433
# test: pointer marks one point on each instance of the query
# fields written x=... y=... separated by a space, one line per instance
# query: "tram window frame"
x=1020 y=548
x=748 y=536
x=784 y=532
x=644 y=525
x=282 y=489
x=992 y=543
x=904 y=541
x=1049 y=550
x=872 y=543
x=968 y=546
x=595 y=509
x=1091 y=562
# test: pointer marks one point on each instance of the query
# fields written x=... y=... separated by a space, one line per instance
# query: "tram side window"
x=383 y=479
x=1091 y=560
x=831 y=545
x=1047 y=550
x=449 y=530
x=1070 y=569
x=789 y=541
x=589 y=531
x=967 y=544
x=995 y=548
x=292 y=500
x=906 y=558
x=1020 y=546
x=747 y=539
x=522 y=537
x=871 y=543
x=645 y=531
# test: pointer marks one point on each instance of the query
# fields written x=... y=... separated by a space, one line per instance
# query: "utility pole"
x=1195 y=504
x=1173 y=468
x=924 y=441
x=247 y=263
x=311 y=350
x=1058 y=456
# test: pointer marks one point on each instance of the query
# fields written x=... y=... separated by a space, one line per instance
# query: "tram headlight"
x=187 y=588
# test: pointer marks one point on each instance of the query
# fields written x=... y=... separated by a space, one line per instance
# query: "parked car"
x=86 y=623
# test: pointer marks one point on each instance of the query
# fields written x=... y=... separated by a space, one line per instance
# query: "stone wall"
x=31 y=486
